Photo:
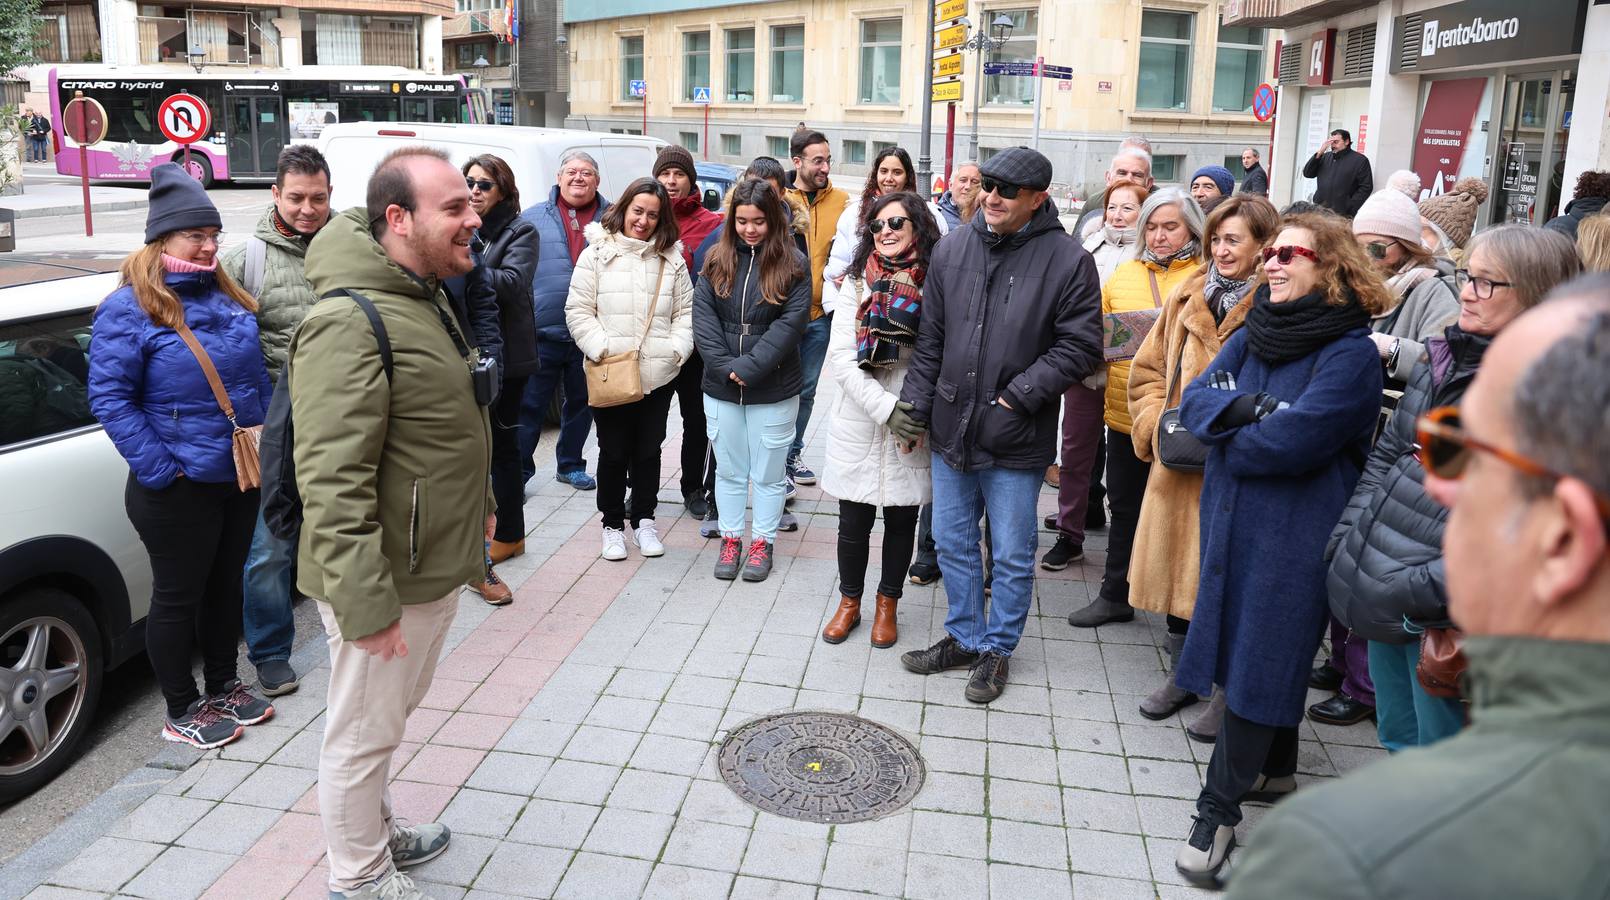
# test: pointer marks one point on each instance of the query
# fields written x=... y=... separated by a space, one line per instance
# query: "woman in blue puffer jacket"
x=152 y=394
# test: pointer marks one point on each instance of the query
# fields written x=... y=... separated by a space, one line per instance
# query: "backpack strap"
x=378 y=325
x=256 y=260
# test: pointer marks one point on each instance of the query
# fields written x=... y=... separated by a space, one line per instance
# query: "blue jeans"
x=812 y=352
x=266 y=596
x=36 y=148
x=751 y=446
x=960 y=500
x=1405 y=715
x=558 y=366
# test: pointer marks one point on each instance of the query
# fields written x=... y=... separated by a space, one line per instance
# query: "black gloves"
x=1245 y=410
x=903 y=425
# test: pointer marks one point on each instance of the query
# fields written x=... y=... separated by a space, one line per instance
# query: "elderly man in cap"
x=1011 y=317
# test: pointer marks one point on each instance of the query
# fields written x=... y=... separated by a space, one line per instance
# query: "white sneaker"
x=614 y=544
x=647 y=539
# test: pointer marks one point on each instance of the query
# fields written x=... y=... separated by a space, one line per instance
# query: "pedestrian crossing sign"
x=701 y=95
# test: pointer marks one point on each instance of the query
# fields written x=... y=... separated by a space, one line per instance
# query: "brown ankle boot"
x=843 y=621
x=884 y=630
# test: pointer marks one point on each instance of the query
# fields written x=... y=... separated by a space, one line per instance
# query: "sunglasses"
x=1443 y=448
x=1376 y=249
x=484 y=187
x=1286 y=253
x=894 y=223
x=1002 y=189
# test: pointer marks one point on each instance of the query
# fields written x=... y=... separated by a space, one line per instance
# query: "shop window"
x=855 y=153
x=695 y=63
x=787 y=67
x=880 y=61
x=732 y=145
x=777 y=147
x=740 y=65
x=1020 y=47
x=689 y=140
x=1165 y=60
x=1167 y=168
x=631 y=64
x=1238 y=68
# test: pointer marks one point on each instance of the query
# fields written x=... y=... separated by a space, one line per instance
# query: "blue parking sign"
x=639 y=87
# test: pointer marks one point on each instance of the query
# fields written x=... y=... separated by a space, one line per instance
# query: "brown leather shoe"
x=493 y=590
x=501 y=551
x=843 y=621
x=884 y=630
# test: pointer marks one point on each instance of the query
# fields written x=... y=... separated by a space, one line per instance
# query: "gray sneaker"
x=393 y=885
x=276 y=677
x=414 y=844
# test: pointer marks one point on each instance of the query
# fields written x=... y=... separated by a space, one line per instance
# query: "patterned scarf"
x=1191 y=250
x=889 y=315
x=1223 y=293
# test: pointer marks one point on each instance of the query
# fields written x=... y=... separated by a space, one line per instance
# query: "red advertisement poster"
x=1445 y=127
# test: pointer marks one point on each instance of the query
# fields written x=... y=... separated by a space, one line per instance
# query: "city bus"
x=252 y=114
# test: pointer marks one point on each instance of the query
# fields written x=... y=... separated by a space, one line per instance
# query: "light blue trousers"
x=751 y=444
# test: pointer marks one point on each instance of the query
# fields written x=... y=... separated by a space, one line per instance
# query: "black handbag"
x=1177 y=448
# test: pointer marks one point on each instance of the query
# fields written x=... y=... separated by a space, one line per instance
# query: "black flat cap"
x=1020 y=166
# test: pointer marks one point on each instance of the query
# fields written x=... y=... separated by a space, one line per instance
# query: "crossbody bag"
x=244 y=441
x=617 y=380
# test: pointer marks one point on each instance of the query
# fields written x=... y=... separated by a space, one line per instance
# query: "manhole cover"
x=821 y=767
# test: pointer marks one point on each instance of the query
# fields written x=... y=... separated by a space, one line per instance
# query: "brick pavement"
x=569 y=741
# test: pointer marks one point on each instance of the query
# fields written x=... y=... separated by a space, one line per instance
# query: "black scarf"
x=1282 y=332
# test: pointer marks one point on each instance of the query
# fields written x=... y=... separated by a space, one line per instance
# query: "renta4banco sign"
x=1475 y=32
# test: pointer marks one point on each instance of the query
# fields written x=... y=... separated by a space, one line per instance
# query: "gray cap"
x=1021 y=166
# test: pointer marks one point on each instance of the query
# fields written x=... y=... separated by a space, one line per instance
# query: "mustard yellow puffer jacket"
x=1129 y=288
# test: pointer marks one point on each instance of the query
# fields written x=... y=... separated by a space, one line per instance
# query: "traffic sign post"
x=639 y=88
x=184 y=119
x=85 y=124
x=701 y=96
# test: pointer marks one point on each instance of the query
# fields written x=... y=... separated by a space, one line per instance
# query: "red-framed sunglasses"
x=1287 y=252
x=1443 y=448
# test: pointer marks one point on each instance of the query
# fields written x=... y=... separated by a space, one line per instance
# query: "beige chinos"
x=368 y=708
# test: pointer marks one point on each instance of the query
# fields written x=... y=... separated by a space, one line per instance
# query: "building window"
x=984 y=153
x=689 y=140
x=880 y=146
x=631 y=64
x=880 y=61
x=741 y=65
x=1237 y=171
x=777 y=147
x=732 y=145
x=787 y=66
x=1165 y=60
x=1167 y=168
x=1020 y=47
x=695 y=62
x=1237 y=69
x=855 y=153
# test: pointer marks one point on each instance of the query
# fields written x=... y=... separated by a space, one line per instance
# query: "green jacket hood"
x=345 y=255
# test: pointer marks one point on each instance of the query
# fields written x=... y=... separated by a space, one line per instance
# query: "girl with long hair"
x=631 y=292
x=172 y=344
x=879 y=309
x=749 y=315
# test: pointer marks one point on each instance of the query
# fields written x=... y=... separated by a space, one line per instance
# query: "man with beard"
x=396 y=495
x=813 y=158
x=270 y=267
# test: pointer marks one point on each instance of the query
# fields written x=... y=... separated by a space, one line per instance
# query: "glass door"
x=256 y=136
x=1531 y=147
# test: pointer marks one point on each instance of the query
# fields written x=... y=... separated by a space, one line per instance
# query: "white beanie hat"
x=1390 y=213
x=1406 y=181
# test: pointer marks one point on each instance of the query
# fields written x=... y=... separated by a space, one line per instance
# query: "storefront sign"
x=1320 y=56
x=1486 y=31
x=1514 y=165
x=1445 y=131
x=1318 y=121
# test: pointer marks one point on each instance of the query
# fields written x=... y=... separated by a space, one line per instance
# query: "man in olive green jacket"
x=395 y=491
x=1517 y=805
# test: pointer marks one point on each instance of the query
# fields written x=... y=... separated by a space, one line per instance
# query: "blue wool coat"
x=550 y=284
x=1271 y=494
x=149 y=392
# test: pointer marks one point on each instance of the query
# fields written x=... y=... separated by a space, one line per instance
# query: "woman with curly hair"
x=1286 y=410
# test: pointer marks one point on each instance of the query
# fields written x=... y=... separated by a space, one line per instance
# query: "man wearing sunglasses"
x=1011 y=318
x=1514 y=806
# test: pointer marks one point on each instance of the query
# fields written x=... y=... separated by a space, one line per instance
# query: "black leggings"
x=855 y=545
x=508 y=485
x=697 y=460
x=1126 y=485
x=1243 y=751
x=197 y=536
x=629 y=438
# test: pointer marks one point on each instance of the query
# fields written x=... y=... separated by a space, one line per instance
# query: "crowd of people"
x=1256 y=396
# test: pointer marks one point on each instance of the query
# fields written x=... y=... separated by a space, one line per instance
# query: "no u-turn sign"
x=183 y=118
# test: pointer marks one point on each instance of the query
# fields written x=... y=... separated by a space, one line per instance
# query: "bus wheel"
x=200 y=167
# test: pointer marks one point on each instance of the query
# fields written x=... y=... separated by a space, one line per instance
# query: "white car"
x=75 y=581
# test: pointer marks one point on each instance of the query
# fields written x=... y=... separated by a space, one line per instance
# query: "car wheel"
x=50 y=682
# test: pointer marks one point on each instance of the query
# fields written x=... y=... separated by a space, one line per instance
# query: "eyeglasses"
x=1001 y=189
x=1377 y=249
x=1286 y=253
x=579 y=173
x=1483 y=287
x=894 y=223
x=200 y=238
x=1443 y=448
x=481 y=185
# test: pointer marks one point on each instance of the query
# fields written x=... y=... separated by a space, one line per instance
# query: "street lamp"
x=198 y=55
x=1000 y=29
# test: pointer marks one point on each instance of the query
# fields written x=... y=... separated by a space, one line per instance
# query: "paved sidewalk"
x=570 y=739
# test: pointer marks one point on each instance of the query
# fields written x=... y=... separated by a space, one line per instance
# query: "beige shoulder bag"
x=618 y=379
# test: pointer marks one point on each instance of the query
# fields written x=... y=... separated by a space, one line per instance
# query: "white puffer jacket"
x=607 y=303
x=864 y=460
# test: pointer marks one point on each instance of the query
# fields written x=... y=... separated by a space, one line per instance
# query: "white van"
x=354 y=148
